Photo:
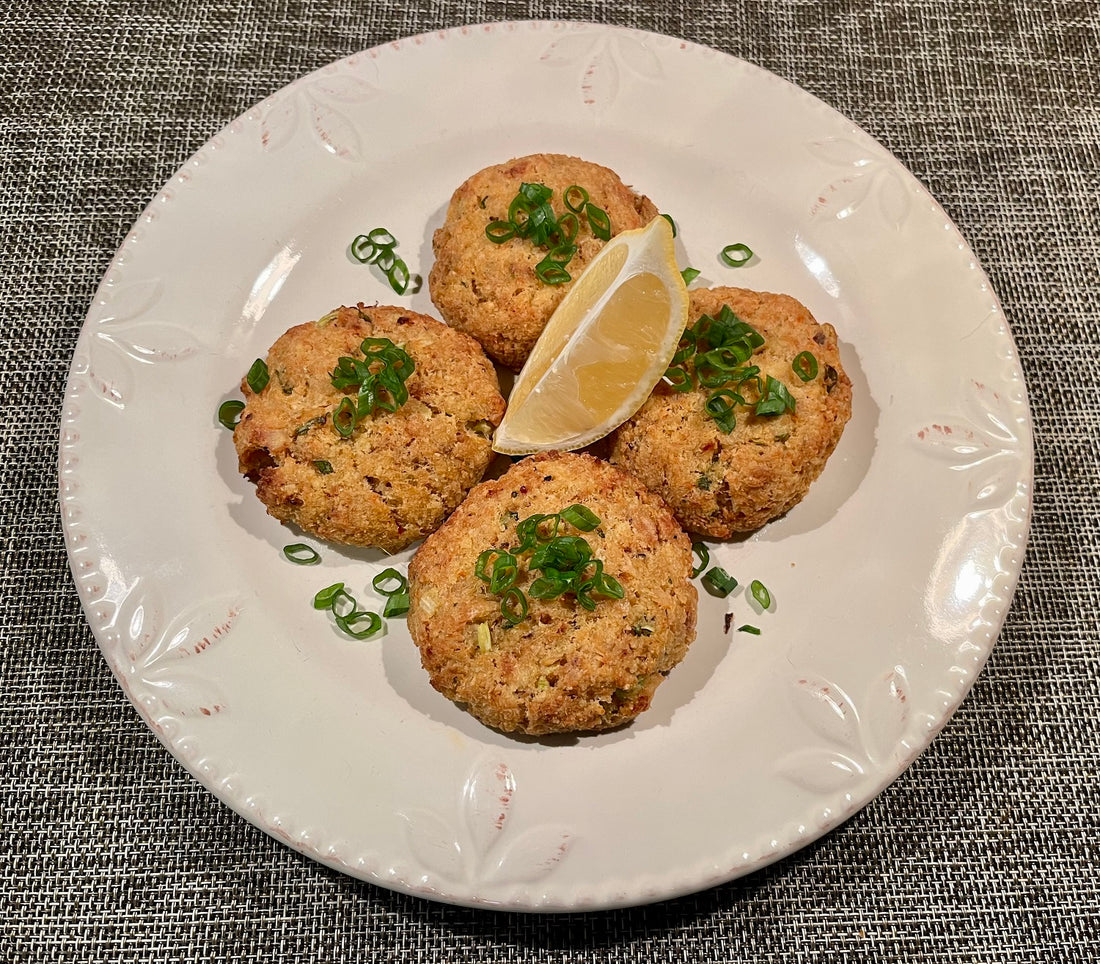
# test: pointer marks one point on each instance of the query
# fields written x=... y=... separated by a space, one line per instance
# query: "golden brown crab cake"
x=491 y=290
x=394 y=476
x=562 y=667
x=720 y=483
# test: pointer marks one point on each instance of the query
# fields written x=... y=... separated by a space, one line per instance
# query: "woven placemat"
x=984 y=850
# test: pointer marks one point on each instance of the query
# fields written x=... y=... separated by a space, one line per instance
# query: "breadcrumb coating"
x=400 y=474
x=563 y=668
x=718 y=484
x=491 y=290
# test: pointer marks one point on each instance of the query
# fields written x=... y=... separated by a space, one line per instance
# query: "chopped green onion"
x=611 y=587
x=343 y=603
x=719 y=406
x=748 y=629
x=513 y=607
x=551 y=273
x=559 y=563
x=399 y=276
x=718 y=582
x=549 y=586
x=343 y=419
x=325 y=597
x=258 y=376
x=382 y=238
x=360 y=623
x=377 y=247
x=720 y=348
x=672 y=224
x=776 y=399
x=531 y=217
x=380 y=378
x=700 y=550
x=500 y=231
x=598 y=221
x=580 y=517
x=578 y=192
x=735 y=255
x=389 y=582
x=505 y=574
x=481 y=567
x=568 y=226
x=760 y=593
x=396 y=605
x=229 y=413
x=689 y=275
x=301 y=554
x=805 y=366
x=323 y=466
x=362 y=249
x=678 y=379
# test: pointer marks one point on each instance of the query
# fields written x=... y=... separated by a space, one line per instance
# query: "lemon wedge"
x=604 y=348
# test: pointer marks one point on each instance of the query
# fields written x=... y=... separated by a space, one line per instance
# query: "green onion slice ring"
x=360 y=623
x=325 y=597
x=736 y=255
x=580 y=517
x=718 y=582
x=301 y=554
x=229 y=413
x=805 y=366
x=389 y=582
x=343 y=419
x=700 y=550
x=575 y=198
x=500 y=231
x=396 y=605
x=382 y=238
x=598 y=221
x=258 y=376
x=513 y=607
x=760 y=593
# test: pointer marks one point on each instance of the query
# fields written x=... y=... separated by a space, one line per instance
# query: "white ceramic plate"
x=890 y=581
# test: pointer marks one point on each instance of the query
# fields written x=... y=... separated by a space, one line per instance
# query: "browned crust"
x=719 y=484
x=401 y=473
x=491 y=290
x=564 y=668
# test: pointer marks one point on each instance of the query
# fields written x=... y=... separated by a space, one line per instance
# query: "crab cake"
x=369 y=478
x=586 y=660
x=719 y=483
x=491 y=290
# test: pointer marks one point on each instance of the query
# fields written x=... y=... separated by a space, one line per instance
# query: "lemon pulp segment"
x=587 y=290
x=604 y=348
x=597 y=372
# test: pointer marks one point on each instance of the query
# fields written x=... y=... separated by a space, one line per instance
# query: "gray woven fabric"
x=985 y=850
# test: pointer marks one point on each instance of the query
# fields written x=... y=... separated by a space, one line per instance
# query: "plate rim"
x=689 y=879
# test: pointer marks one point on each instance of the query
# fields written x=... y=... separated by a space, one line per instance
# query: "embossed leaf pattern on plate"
x=321 y=102
x=851 y=741
x=980 y=439
x=477 y=845
x=602 y=59
x=154 y=650
x=866 y=177
x=127 y=330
